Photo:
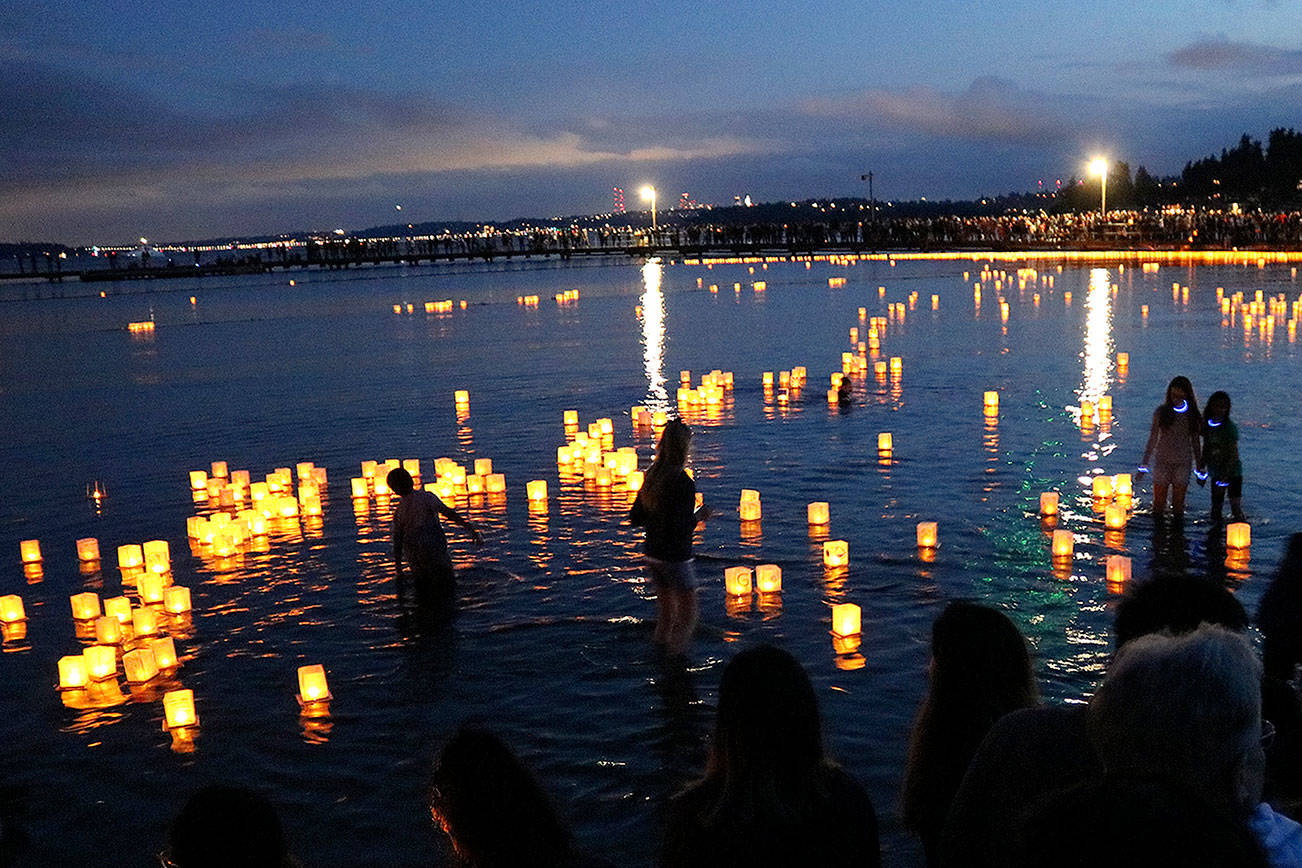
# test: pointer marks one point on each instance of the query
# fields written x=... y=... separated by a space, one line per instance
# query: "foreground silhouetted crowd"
x=1189 y=753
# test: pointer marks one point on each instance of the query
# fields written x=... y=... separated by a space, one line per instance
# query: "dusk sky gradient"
x=183 y=121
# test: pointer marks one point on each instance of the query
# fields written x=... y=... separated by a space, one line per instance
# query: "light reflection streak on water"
x=1097 y=354
x=653 y=336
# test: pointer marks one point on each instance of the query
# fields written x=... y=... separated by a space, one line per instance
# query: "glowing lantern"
x=928 y=537
x=312 y=685
x=495 y=483
x=139 y=665
x=736 y=581
x=130 y=557
x=483 y=466
x=603 y=478
x=101 y=661
x=1105 y=406
x=1122 y=486
x=1118 y=575
x=462 y=398
x=749 y=507
x=990 y=403
x=885 y=443
x=240 y=478
x=1049 y=503
x=198 y=480
x=1238 y=535
x=536 y=490
x=72 y=672
x=85 y=606
x=633 y=482
x=1123 y=359
x=836 y=553
x=176 y=600
x=164 y=651
x=257 y=524
x=144 y=622
x=87 y=550
x=846 y=619
x=30 y=551
x=108 y=630
x=11 y=609
x=1063 y=544
x=1102 y=487
x=1114 y=517
x=158 y=557
x=119 y=608
x=178 y=709
x=219 y=469
x=150 y=588
x=359 y=487
x=768 y=579
x=818 y=512
x=897 y=365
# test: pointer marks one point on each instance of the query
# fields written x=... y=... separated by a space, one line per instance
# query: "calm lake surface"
x=552 y=643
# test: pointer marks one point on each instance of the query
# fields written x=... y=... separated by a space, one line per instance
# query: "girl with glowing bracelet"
x=1174 y=447
x=1221 y=451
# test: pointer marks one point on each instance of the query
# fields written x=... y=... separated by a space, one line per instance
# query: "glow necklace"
x=1184 y=405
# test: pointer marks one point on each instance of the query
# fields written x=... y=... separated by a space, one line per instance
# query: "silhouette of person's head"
x=491 y=807
x=400 y=481
x=767 y=722
x=979 y=659
x=1175 y=604
x=222 y=826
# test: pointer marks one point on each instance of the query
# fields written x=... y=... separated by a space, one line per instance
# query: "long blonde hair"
x=671 y=456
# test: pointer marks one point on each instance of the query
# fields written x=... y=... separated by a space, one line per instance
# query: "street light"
x=1099 y=166
x=649 y=193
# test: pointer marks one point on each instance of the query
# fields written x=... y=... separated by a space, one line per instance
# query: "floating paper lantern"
x=118 y=608
x=836 y=553
x=536 y=490
x=144 y=622
x=108 y=630
x=818 y=512
x=462 y=398
x=885 y=443
x=359 y=487
x=1105 y=406
x=150 y=588
x=219 y=470
x=1049 y=503
x=178 y=709
x=846 y=619
x=72 y=672
x=130 y=557
x=736 y=581
x=1238 y=535
x=990 y=403
x=101 y=661
x=29 y=551
x=412 y=466
x=11 y=609
x=1115 y=517
x=240 y=478
x=139 y=665
x=87 y=550
x=312 y=686
x=483 y=466
x=198 y=480
x=176 y=600
x=928 y=537
x=164 y=651
x=85 y=607
x=1118 y=567
x=495 y=483
x=768 y=579
x=1122 y=485
x=749 y=507
x=1063 y=544
x=1123 y=359
x=1102 y=487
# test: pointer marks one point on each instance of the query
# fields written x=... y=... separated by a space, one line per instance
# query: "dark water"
x=551 y=646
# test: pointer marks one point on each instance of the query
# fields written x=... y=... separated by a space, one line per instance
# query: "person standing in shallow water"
x=1221 y=451
x=1174 y=447
x=418 y=539
x=666 y=507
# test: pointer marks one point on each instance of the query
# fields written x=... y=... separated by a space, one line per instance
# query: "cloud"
x=991 y=110
x=1209 y=55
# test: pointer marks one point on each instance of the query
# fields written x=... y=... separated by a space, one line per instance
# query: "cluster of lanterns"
x=442 y=306
x=591 y=455
x=714 y=390
x=1261 y=314
x=243 y=513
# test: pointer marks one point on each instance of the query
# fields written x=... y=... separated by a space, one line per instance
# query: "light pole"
x=1099 y=166
x=649 y=193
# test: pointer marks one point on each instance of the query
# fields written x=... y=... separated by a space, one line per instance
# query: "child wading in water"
x=1173 y=445
x=1221 y=452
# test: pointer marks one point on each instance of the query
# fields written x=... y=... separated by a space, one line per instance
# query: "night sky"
x=183 y=121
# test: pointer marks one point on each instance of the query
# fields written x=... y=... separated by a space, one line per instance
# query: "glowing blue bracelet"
x=1143 y=468
x=1222 y=484
x=1201 y=474
x=1213 y=424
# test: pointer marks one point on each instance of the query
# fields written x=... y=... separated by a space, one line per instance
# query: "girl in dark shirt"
x=666 y=508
